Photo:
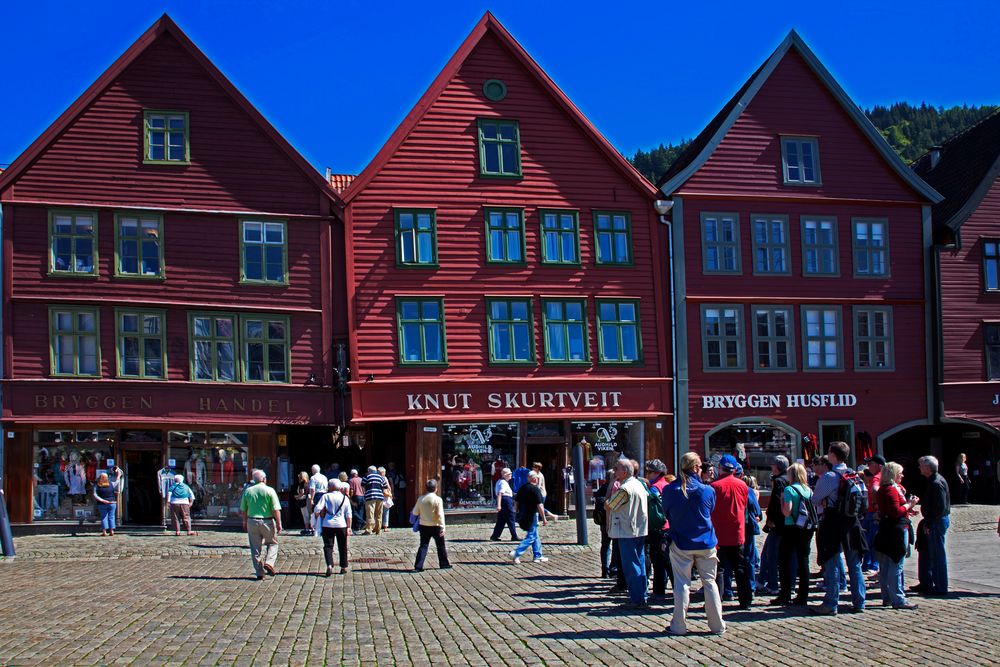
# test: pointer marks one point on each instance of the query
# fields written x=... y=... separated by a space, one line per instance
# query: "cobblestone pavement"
x=143 y=599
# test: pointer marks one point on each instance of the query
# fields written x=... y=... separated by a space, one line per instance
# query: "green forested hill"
x=911 y=130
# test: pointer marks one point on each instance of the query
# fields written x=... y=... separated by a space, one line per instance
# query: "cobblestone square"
x=152 y=599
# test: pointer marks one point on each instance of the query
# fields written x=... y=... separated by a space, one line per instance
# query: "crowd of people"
x=698 y=526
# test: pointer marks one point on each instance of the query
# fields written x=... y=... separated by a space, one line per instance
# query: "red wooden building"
x=504 y=285
x=800 y=245
x=965 y=170
x=168 y=293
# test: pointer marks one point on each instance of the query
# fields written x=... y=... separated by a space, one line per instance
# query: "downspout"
x=662 y=208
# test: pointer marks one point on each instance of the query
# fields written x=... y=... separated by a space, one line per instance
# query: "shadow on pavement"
x=560 y=577
x=208 y=577
x=605 y=634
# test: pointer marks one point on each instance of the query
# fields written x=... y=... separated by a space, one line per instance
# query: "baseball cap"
x=878 y=458
x=781 y=461
x=728 y=462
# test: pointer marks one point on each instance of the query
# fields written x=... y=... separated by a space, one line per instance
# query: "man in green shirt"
x=262 y=520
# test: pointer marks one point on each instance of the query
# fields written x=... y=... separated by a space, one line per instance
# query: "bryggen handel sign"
x=791 y=401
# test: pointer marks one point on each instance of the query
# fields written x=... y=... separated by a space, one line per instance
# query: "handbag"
x=387 y=503
x=415 y=522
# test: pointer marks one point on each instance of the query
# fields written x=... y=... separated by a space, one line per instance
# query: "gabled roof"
x=705 y=143
x=490 y=25
x=969 y=164
x=164 y=25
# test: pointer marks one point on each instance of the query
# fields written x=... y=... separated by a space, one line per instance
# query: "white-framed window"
x=770 y=244
x=720 y=242
x=800 y=160
x=822 y=339
x=773 y=338
x=819 y=246
x=870 y=239
x=873 y=339
x=722 y=344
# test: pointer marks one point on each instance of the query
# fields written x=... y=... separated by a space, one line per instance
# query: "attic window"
x=165 y=137
x=495 y=90
x=800 y=160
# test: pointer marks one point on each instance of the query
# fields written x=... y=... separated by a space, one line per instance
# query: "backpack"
x=852 y=495
x=654 y=510
x=600 y=514
x=807 y=519
x=519 y=478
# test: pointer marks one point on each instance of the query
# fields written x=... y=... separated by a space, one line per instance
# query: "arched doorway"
x=761 y=438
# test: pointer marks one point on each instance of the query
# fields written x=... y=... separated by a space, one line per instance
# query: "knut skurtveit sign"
x=790 y=401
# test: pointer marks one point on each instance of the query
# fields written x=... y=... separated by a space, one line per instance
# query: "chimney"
x=329 y=172
x=935 y=156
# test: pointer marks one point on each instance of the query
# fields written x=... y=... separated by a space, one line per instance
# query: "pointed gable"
x=93 y=154
x=792 y=94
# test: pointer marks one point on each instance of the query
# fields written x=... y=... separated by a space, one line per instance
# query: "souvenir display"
x=473 y=456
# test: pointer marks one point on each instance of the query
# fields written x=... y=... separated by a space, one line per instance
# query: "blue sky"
x=336 y=77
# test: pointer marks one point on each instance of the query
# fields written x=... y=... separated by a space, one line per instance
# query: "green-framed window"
x=141 y=336
x=74 y=341
x=421 y=331
x=263 y=252
x=504 y=236
x=619 y=338
x=567 y=340
x=499 y=147
x=613 y=237
x=73 y=243
x=265 y=348
x=416 y=237
x=213 y=347
x=166 y=137
x=871 y=247
x=139 y=245
x=511 y=331
x=560 y=237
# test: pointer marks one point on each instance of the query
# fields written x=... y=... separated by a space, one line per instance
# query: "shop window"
x=871 y=248
x=720 y=243
x=73 y=243
x=754 y=444
x=819 y=247
x=215 y=466
x=991 y=264
x=991 y=339
x=263 y=252
x=141 y=344
x=74 y=340
x=473 y=456
x=511 y=331
x=722 y=338
x=773 y=339
x=613 y=238
x=504 y=236
x=873 y=338
x=566 y=336
x=499 y=148
x=770 y=245
x=421 y=331
x=821 y=339
x=619 y=338
x=416 y=237
x=560 y=237
x=606 y=442
x=166 y=137
x=65 y=467
x=139 y=246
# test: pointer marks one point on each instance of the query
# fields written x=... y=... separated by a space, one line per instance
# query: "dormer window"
x=800 y=160
x=166 y=137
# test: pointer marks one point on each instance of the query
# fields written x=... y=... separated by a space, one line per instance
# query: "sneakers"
x=540 y=559
x=905 y=605
x=514 y=558
x=823 y=610
x=268 y=568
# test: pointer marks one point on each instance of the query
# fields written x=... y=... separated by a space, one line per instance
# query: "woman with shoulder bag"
x=388 y=502
x=796 y=538
x=302 y=500
x=333 y=513
x=891 y=542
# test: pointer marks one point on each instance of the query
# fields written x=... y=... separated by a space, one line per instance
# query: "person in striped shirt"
x=374 y=485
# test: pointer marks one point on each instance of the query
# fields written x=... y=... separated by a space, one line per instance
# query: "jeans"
x=107 y=513
x=793 y=562
x=752 y=558
x=358 y=511
x=932 y=562
x=832 y=570
x=505 y=519
x=427 y=533
x=768 y=576
x=531 y=539
x=605 y=552
x=338 y=535
x=870 y=525
x=706 y=562
x=385 y=516
x=633 y=551
x=616 y=564
x=733 y=557
x=659 y=560
x=890 y=578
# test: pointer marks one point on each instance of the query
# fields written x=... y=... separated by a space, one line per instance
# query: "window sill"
x=408 y=267
x=70 y=274
x=127 y=276
x=179 y=163
x=502 y=176
x=263 y=283
x=607 y=264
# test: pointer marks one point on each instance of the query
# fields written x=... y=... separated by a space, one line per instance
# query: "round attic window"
x=495 y=90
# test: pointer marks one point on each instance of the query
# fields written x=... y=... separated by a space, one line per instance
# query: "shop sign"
x=61 y=401
x=790 y=401
x=514 y=400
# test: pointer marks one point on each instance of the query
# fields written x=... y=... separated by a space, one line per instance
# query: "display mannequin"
x=75 y=475
x=199 y=470
x=189 y=471
x=225 y=468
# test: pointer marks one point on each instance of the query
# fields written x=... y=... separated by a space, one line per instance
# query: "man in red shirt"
x=729 y=520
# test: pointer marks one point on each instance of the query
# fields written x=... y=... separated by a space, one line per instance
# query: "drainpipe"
x=663 y=207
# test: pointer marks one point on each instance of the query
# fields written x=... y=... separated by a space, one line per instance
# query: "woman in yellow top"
x=430 y=511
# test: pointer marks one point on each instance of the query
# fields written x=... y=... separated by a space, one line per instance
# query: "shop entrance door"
x=141 y=495
x=552 y=454
x=838 y=432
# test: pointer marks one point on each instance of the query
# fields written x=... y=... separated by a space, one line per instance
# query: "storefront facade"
x=505 y=287
x=166 y=310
